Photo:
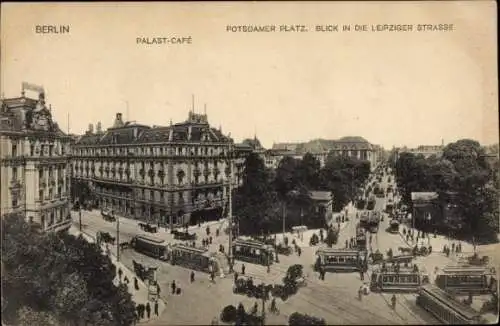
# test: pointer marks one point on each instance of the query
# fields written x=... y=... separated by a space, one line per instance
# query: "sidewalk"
x=139 y=296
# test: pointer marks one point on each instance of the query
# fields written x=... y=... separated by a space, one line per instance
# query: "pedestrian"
x=393 y=301
x=136 y=284
x=242 y=269
x=217 y=232
x=210 y=240
x=192 y=276
x=273 y=309
x=173 y=287
x=156 y=308
x=323 y=272
x=346 y=244
x=126 y=280
x=269 y=268
x=142 y=310
x=148 y=310
x=452 y=247
x=299 y=251
x=235 y=276
x=360 y=293
x=362 y=275
x=138 y=310
x=212 y=276
x=120 y=273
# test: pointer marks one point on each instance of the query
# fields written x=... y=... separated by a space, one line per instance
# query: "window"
x=42 y=150
x=40 y=194
x=14 y=150
x=51 y=149
x=14 y=174
x=32 y=150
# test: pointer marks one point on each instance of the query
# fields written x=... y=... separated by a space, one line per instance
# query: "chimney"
x=189 y=132
x=99 y=127
x=91 y=128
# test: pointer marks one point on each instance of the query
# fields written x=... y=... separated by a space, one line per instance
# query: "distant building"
x=424 y=150
x=356 y=147
x=428 y=208
x=164 y=175
x=322 y=203
x=34 y=162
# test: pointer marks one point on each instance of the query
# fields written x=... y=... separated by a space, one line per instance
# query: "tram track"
x=344 y=305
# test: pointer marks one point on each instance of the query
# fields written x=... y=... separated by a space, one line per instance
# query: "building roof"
x=196 y=129
x=320 y=195
x=28 y=115
x=253 y=143
x=325 y=145
x=424 y=196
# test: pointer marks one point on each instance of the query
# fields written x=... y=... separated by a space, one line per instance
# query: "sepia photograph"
x=249 y=163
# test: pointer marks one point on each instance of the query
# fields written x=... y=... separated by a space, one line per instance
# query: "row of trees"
x=462 y=177
x=53 y=279
x=261 y=200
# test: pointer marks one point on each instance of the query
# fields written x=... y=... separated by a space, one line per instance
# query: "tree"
x=56 y=276
x=286 y=176
x=298 y=319
x=308 y=172
x=256 y=202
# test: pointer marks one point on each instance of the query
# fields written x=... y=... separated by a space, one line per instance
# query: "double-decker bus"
x=445 y=308
x=466 y=279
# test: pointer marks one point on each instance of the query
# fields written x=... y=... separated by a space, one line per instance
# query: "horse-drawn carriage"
x=284 y=249
x=108 y=215
x=105 y=237
x=148 y=227
x=184 y=236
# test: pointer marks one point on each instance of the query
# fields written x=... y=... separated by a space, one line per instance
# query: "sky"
x=392 y=88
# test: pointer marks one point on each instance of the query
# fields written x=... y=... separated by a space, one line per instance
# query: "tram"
x=394 y=226
x=466 y=279
x=336 y=260
x=253 y=251
x=151 y=246
x=371 y=203
x=402 y=279
x=445 y=308
x=360 y=237
x=199 y=259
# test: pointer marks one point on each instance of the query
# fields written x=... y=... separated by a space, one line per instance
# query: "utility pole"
x=80 y=217
x=230 y=208
x=284 y=217
x=117 y=237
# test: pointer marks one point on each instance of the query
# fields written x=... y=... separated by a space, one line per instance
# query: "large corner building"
x=34 y=162
x=168 y=175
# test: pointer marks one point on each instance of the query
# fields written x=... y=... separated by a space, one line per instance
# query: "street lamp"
x=80 y=217
x=230 y=157
x=117 y=236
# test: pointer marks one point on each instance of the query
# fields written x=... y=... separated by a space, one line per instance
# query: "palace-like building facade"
x=165 y=175
x=34 y=162
x=351 y=146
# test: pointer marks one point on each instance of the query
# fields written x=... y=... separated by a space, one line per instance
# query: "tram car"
x=446 y=308
x=253 y=251
x=151 y=246
x=394 y=226
x=364 y=218
x=390 y=279
x=195 y=258
x=342 y=260
x=360 y=237
x=371 y=203
x=374 y=222
x=466 y=280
